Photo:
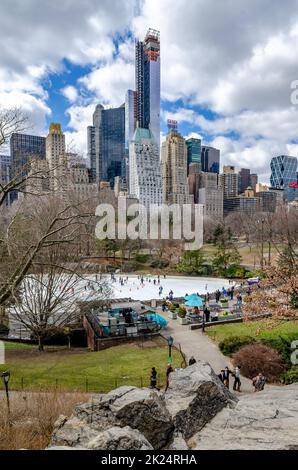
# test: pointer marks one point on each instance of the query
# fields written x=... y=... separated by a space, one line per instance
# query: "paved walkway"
x=197 y=344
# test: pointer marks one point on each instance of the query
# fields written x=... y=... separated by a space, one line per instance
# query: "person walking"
x=237 y=381
x=153 y=378
x=191 y=361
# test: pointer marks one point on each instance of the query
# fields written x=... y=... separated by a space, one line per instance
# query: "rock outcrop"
x=265 y=420
x=196 y=412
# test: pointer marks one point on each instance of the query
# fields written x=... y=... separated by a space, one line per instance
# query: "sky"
x=226 y=68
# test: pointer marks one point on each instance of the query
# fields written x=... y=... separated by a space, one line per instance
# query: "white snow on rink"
x=180 y=286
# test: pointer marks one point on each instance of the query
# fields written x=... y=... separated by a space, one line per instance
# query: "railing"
x=82 y=384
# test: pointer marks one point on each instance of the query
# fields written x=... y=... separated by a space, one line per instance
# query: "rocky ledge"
x=196 y=412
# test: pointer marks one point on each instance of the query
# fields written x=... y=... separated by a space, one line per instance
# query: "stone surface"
x=195 y=396
x=117 y=438
x=196 y=412
x=263 y=420
x=141 y=409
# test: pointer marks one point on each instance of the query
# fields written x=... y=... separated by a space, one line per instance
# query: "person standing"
x=168 y=372
x=237 y=381
x=226 y=377
x=153 y=379
x=207 y=314
x=221 y=375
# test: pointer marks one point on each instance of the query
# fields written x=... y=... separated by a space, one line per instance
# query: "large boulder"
x=264 y=420
x=195 y=396
x=117 y=438
x=141 y=409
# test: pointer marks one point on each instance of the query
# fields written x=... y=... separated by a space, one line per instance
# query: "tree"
x=191 y=262
x=48 y=300
x=226 y=254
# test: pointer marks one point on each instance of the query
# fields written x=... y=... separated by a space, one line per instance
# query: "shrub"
x=235 y=271
x=182 y=312
x=141 y=258
x=232 y=344
x=291 y=376
x=129 y=267
x=258 y=357
x=159 y=263
x=4 y=330
x=282 y=344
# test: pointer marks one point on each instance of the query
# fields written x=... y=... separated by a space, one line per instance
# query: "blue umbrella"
x=194 y=301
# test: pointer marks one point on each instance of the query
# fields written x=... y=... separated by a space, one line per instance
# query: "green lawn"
x=262 y=329
x=86 y=371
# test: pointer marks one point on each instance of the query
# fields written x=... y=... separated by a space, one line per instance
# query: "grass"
x=9 y=345
x=262 y=329
x=84 y=371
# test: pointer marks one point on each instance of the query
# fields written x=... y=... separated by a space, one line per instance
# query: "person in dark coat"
x=191 y=361
x=153 y=378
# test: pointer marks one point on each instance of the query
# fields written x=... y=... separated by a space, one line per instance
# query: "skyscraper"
x=106 y=144
x=24 y=146
x=55 y=155
x=148 y=83
x=244 y=179
x=130 y=116
x=193 y=151
x=144 y=168
x=210 y=158
x=94 y=144
x=283 y=173
x=174 y=169
x=228 y=182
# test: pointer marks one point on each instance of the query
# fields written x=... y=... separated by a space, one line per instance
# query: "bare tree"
x=47 y=301
x=11 y=120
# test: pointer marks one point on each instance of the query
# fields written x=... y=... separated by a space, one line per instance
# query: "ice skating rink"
x=180 y=286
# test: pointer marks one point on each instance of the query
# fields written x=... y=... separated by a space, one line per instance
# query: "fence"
x=81 y=384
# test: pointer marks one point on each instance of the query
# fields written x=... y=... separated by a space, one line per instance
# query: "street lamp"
x=170 y=344
x=5 y=377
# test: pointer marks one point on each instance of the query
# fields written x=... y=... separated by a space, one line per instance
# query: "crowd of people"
x=258 y=382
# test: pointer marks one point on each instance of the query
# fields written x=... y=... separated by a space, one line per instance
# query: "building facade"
x=194 y=149
x=145 y=182
x=228 y=182
x=244 y=180
x=210 y=159
x=148 y=83
x=211 y=195
x=283 y=173
x=174 y=170
x=5 y=174
x=106 y=144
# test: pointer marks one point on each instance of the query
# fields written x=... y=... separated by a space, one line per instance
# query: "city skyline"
x=235 y=94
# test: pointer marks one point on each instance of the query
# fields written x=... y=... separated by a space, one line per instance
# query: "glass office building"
x=283 y=174
x=106 y=144
x=22 y=147
x=210 y=159
x=193 y=151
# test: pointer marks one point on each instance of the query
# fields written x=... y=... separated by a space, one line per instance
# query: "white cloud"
x=70 y=92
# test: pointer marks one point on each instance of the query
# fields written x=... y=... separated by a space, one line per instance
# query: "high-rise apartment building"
x=283 y=173
x=144 y=168
x=55 y=155
x=194 y=149
x=106 y=144
x=148 y=83
x=210 y=159
x=211 y=195
x=130 y=116
x=174 y=169
x=228 y=181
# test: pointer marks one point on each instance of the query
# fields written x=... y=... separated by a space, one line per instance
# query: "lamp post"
x=5 y=377
x=170 y=344
x=262 y=242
